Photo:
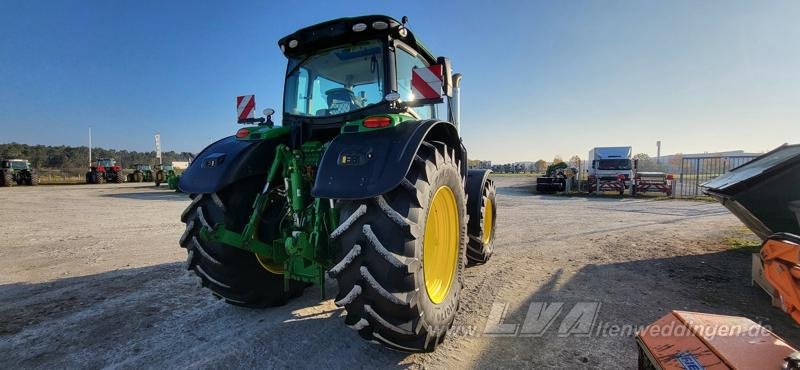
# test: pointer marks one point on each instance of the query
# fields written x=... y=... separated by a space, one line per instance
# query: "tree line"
x=71 y=158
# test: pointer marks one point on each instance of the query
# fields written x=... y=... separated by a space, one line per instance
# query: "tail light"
x=638 y=177
x=243 y=133
x=670 y=177
x=377 y=122
x=620 y=177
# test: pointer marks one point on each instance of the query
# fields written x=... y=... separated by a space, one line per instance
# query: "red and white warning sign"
x=426 y=82
x=246 y=107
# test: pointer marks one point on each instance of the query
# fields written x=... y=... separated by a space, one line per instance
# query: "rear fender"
x=227 y=161
x=362 y=165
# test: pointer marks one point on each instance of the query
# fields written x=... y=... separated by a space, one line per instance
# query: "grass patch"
x=742 y=238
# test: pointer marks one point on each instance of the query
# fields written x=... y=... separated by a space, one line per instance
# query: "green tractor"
x=17 y=172
x=141 y=173
x=362 y=182
x=554 y=179
x=105 y=170
x=165 y=173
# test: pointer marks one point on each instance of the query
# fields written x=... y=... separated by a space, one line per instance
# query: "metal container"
x=763 y=193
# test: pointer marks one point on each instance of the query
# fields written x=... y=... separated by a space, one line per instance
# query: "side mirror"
x=268 y=114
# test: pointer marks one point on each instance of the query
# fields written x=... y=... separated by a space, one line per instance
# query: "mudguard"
x=476 y=181
x=366 y=164
x=227 y=161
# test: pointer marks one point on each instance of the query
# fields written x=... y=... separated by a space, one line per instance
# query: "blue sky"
x=540 y=77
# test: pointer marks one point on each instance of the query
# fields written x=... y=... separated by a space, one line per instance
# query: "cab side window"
x=405 y=63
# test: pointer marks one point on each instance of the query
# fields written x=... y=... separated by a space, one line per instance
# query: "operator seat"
x=341 y=100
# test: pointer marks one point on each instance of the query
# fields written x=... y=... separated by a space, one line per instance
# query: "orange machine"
x=780 y=255
x=690 y=340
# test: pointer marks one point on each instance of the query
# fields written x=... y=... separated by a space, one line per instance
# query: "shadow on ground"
x=165 y=195
x=644 y=291
x=157 y=316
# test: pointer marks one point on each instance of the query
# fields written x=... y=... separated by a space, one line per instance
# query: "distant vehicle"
x=555 y=178
x=141 y=173
x=612 y=169
x=105 y=170
x=166 y=173
x=17 y=172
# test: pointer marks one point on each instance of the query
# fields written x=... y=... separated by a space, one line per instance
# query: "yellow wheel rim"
x=488 y=220
x=267 y=264
x=440 y=244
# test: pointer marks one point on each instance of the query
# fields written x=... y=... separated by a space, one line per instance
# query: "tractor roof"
x=340 y=31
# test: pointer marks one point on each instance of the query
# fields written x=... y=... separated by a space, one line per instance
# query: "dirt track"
x=92 y=276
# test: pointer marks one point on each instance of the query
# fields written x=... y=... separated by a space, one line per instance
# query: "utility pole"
x=90 y=146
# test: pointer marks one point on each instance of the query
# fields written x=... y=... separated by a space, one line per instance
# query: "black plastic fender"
x=362 y=165
x=476 y=182
x=227 y=161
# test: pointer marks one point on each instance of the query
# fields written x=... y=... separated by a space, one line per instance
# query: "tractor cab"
x=346 y=70
x=16 y=164
x=106 y=162
x=142 y=167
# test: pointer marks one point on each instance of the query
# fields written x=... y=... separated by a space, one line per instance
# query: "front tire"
x=33 y=180
x=233 y=274
x=402 y=255
x=8 y=178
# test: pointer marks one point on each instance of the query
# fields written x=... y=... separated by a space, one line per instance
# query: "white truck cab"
x=612 y=169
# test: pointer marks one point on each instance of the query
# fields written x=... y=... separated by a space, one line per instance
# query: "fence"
x=697 y=170
x=54 y=176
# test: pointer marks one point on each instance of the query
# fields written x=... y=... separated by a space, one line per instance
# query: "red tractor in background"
x=105 y=170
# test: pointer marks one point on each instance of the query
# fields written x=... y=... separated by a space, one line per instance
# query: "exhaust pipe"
x=454 y=115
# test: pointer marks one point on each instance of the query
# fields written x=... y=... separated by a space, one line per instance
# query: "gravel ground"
x=92 y=276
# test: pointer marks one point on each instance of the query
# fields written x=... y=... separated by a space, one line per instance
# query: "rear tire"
x=482 y=229
x=234 y=274
x=381 y=269
x=33 y=179
x=137 y=176
x=119 y=177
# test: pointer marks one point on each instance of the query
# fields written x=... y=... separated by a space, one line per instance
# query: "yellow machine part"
x=440 y=246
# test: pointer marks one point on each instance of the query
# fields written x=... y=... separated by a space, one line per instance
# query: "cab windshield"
x=614 y=164
x=18 y=165
x=105 y=162
x=335 y=81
